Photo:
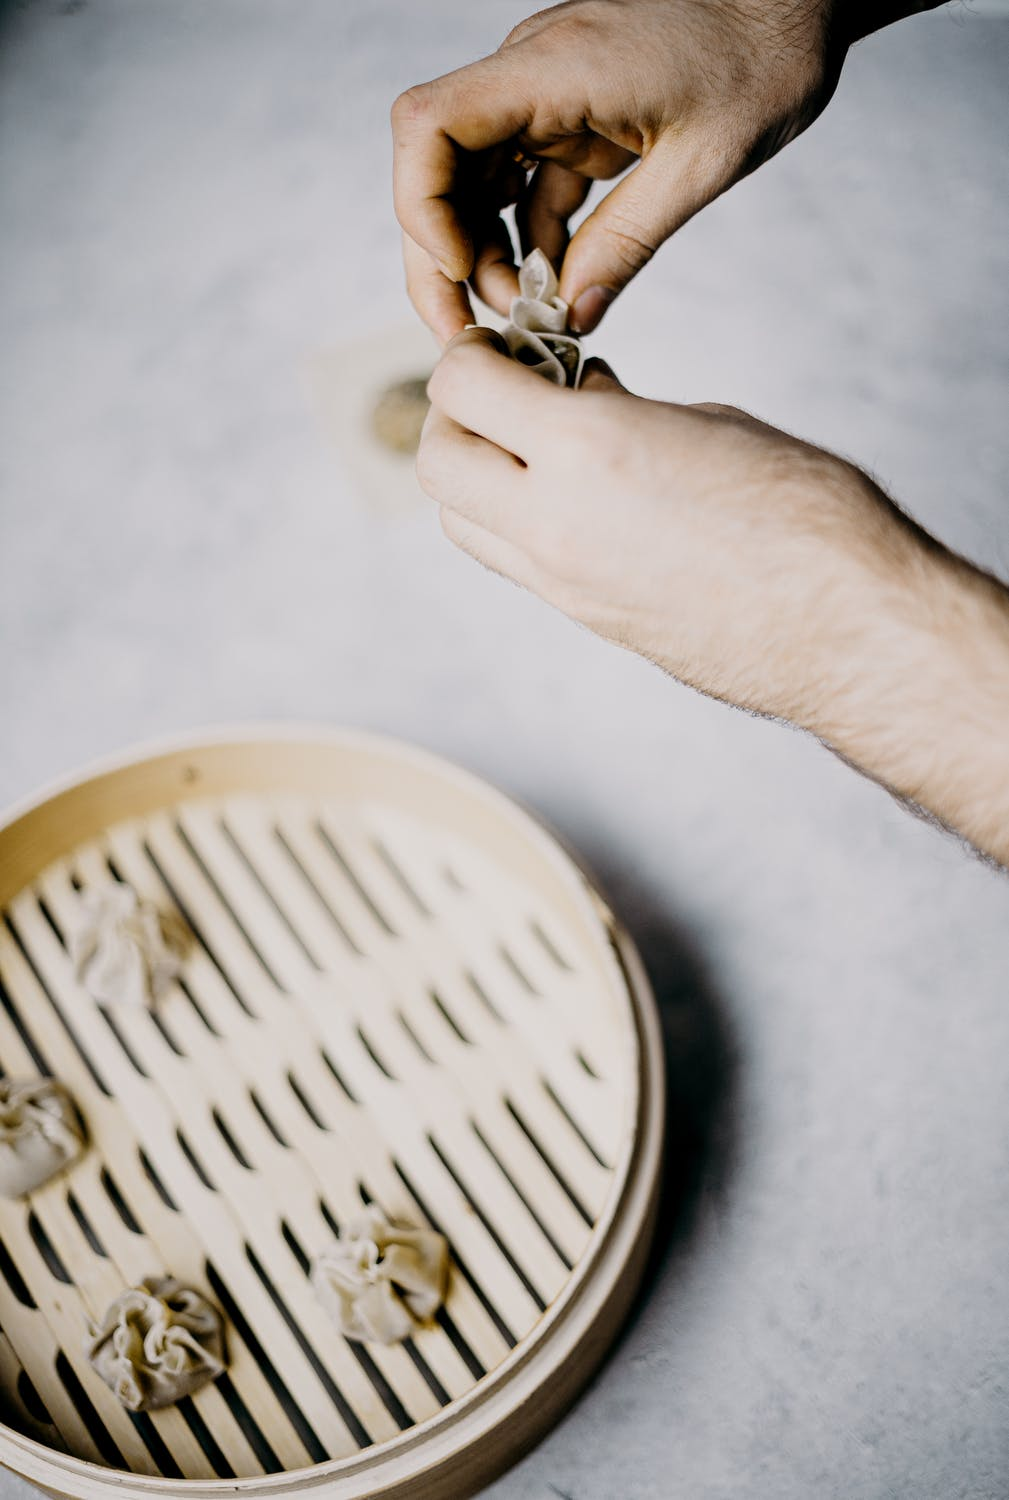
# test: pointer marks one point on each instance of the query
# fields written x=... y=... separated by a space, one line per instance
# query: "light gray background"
x=194 y=199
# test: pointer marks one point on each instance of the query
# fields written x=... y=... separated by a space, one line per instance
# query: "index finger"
x=433 y=124
x=444 y=305
x=491 y=394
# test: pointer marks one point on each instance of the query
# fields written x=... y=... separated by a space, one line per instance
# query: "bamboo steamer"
x=400 y=990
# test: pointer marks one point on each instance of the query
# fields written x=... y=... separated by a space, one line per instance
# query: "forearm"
x=923 y=702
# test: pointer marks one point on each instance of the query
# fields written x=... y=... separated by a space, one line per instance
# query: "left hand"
x=698 y=95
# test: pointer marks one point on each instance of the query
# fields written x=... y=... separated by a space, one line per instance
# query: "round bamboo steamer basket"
x=400 y=989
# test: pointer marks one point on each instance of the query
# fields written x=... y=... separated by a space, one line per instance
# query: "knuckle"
x=583 y=26
x=630 y=241
x=435 y=383
x=442 y=380
x=429 y=465
x=465 y=93
x=454 y=370
x=413 y=104
x=572 y=22
x=720 y=409
x=527 y=27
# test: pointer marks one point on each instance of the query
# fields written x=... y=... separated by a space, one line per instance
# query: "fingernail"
x=495 y=339
x=484 y=334
x=589 y=307
x=456 y=266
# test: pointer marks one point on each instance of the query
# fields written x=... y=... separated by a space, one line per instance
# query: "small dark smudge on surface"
x=399 y=413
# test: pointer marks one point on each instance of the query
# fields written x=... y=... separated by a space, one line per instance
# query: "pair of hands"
x=751 y=565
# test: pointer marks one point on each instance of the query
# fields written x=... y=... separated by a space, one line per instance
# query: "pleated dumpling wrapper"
x=380 y=1282
x=537 y=331
x=157 y=1342
x=40 y=1133
x=125 y=950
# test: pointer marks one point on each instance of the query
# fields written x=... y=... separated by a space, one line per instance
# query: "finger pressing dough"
x=124 y=949
x=40 y=1133
x=379 y=1281
x=157 y=1342
x=537 y=332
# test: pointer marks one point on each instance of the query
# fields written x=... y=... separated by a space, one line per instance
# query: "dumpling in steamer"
x=381 y=1282
x=125 y=950
x=536 y=333
x=40 y=1133
x=157 y=1342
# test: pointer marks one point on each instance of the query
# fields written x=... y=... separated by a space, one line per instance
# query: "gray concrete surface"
x=193 y=200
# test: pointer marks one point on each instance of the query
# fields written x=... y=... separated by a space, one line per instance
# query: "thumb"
x=597 y=376
x=624 y=232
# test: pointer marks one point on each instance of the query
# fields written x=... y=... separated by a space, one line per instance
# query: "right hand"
x=701 y=94
x=755 y=567
x=733 y=555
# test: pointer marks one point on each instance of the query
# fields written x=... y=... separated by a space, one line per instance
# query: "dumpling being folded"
x=381 y=1282
x=124 y=949
x=537 y=334
x=40 y=1133
x=157 y=1342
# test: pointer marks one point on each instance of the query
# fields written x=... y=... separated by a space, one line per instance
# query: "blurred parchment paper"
x=345 y=385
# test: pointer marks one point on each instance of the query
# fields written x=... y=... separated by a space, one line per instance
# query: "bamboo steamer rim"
x=467 y=1443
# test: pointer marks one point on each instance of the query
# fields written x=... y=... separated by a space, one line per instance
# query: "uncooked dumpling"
x=537 y=334
x=124 y=949
x=157 y=1342
x=40 y=1133
x=381 y=1282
